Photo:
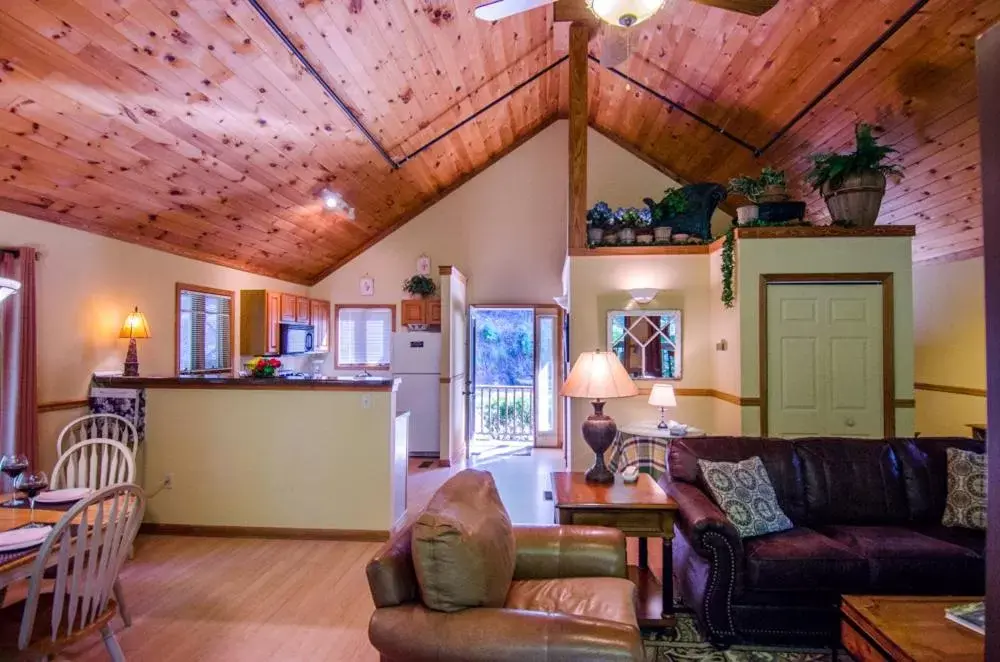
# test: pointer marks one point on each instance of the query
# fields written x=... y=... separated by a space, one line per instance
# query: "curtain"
x=654 y=351
x=18 y=372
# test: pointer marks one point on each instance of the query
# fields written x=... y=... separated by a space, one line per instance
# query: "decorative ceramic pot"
x=595 y=235
x=747 y=213
x=610 y=237
x=626 y=236
x=773 y=193
x=662 y=234
x=857 y=200
x=644 y=236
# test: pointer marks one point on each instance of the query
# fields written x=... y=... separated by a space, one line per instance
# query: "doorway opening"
x=514 y=378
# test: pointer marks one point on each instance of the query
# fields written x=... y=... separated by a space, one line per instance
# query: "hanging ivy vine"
x=728 y=268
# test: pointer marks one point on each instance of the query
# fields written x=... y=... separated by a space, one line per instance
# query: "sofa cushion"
x=971 y=539
x=463 y=545
x=743 y=491
x=902 y=560
x=777 y=455
x=852 y=481
x=605 y=598
x=925 y=473
x=802 y=560
x=965 y=506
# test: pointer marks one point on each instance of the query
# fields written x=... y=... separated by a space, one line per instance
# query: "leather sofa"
x=569 y=601
x=867 y=516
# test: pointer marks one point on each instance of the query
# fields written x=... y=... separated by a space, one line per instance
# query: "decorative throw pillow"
x=965 y=505
x=463 y=545
x=744 y=492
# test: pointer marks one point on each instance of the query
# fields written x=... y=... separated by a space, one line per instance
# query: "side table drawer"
x=631 y=522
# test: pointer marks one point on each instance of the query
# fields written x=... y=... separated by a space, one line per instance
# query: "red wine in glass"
x=13 y=465
x=32 y=485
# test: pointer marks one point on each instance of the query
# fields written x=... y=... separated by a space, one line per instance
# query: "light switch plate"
x=366 y=401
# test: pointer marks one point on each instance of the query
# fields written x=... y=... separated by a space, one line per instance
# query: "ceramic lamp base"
x=131 y=360
x=599 y=432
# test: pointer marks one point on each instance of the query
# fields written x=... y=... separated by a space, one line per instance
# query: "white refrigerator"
x=416 y=358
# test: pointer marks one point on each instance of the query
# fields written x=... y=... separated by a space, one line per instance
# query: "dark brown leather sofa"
x=867 y=517
x=568 y=602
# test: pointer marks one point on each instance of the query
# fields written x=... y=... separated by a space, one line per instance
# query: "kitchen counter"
x=230 y=382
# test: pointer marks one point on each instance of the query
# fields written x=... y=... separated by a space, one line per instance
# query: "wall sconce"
x=643 y=295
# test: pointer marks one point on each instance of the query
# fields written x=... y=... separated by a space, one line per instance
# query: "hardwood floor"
x=248 y=600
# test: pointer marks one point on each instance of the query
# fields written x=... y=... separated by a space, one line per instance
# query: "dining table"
x=18 y=565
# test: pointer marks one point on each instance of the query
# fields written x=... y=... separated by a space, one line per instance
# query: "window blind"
x=205 y=323
x=364 y=336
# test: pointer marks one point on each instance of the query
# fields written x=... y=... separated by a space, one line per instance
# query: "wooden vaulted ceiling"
x=188 y=126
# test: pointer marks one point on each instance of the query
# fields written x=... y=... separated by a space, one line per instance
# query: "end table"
x=640 y=510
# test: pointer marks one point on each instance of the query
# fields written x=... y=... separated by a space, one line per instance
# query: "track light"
x=335 y=202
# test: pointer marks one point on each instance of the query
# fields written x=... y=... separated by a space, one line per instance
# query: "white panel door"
x=824 y=360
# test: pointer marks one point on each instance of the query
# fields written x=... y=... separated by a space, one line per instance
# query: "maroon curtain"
x=18 y=369
x=654 y=351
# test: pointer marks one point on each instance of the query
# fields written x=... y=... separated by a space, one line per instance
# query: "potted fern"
x=673 y=204
x=769 y=187
x=419 y=286
x=853 y=185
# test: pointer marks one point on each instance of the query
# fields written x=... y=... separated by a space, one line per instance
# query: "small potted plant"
x=644 y=227
x=673 y=204
x=750 y=189
x=598 y=218
x=773 y=186
x=263 y=367
x=626 y=220
x=853 y=185
x=419 y=286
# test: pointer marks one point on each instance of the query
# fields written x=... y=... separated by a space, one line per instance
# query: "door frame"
x=560 y=406
x=883 y=279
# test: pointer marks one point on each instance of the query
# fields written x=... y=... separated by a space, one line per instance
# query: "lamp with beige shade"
x=662 y=396
x=135 y=326
x=599 y=376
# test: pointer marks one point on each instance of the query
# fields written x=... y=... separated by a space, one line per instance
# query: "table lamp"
x=598 y=376
x=8 y=286
x=662 y=396
x=135 y=326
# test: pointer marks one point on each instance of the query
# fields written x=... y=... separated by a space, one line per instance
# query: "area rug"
x=687 y=645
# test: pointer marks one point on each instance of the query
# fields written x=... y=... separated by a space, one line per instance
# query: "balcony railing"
x=505 y=412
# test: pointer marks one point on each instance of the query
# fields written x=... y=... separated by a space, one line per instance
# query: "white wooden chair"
x=89 y=545
x=98 y=426
x=94 y=463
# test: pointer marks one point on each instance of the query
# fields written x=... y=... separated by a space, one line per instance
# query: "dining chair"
x=94 y=463
x=87 y=546
x=98 y=426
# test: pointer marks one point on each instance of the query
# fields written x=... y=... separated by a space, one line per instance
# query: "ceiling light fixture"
x=624 y=13
x=643 y=295
x=335 y=202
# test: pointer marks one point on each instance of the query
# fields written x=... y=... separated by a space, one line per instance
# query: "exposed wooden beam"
x=574 y=11
x=578 y=117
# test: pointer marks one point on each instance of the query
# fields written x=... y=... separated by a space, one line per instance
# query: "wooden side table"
x=640 y=510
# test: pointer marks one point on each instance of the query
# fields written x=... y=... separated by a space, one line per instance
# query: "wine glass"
x=13 y=465
x=32 y=483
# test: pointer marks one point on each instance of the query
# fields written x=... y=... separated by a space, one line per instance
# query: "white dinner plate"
x=63 y=496
x=18 y=539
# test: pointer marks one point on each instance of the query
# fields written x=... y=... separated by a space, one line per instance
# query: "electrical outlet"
x=366 y=401
x=168 y=481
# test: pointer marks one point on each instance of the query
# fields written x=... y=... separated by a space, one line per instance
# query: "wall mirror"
x=647 y=342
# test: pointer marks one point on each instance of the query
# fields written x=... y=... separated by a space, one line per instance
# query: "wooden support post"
x=579 y=35
x=988 y=65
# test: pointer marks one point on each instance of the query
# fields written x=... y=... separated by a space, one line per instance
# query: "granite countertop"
x=228 y=381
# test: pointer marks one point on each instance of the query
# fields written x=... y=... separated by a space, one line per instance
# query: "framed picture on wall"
x=424 y=265
x=367 y=286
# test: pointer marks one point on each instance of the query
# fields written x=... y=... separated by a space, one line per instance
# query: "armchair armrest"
x=552 y=552
x=413 y=633
x=699 y=517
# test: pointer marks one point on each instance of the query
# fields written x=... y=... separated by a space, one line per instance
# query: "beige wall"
x=950 y=345
x=86 y=285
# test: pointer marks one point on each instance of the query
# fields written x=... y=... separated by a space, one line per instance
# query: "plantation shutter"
x=205 y=328
x=363 y=336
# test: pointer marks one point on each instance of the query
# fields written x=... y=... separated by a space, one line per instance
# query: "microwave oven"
x=295 y=339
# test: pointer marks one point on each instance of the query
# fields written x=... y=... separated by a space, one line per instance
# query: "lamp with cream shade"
x=662 y=396
x=135 y=326
x=599 y=376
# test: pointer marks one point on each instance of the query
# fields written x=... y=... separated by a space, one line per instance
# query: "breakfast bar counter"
x=296 y=457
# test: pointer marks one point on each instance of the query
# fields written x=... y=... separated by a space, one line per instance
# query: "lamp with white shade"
x=599 y=376
x=662 y=396
x=8 y=286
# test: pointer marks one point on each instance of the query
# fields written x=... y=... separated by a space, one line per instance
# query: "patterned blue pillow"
x=744 y=492
x=966 y=503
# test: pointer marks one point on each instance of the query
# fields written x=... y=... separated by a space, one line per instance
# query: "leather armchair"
x=556 y=566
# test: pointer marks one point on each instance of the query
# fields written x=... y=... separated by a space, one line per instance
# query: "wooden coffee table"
x=640 y=510
x=906 y=628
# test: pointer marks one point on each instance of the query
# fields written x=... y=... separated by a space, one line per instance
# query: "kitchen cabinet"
x=303 y=310
x=319 y=317
x=420 y=311
x=288 y=302
x=260 y=319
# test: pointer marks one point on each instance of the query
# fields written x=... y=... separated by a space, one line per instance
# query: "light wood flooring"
x=220 y=599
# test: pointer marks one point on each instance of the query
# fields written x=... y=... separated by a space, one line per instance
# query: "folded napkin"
x=24 y=537
x=64 y=495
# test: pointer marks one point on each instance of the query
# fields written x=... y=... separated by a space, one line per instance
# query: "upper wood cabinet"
x=319 y=317
x=288 y=304
x=260 y=317
x=302 y=310
x=420 y=311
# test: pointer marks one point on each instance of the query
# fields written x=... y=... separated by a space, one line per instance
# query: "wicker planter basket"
x=857 y=201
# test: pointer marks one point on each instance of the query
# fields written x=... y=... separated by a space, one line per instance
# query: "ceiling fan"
x=616 y=16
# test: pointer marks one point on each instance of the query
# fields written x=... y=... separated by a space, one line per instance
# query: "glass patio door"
x=547 y=377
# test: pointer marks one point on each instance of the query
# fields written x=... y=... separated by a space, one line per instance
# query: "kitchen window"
x=364 y=335
x=204 y=330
